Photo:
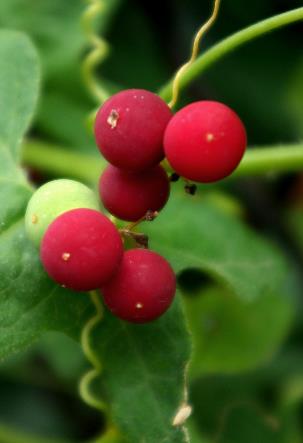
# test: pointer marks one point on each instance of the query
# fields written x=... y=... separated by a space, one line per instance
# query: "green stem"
x=57 y=161
x=278 y=159
x=230 y=44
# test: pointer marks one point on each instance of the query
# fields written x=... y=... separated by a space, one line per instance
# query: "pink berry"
x=142 y=289
x=205 y=141
x=81 y=249
x=130 y=196
x=129 y=129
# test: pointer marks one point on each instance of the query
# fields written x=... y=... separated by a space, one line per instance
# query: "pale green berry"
x=51 y=200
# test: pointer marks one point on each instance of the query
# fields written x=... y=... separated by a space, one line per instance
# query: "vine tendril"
x=85 y=382
x=99 y=49
x=195 y=50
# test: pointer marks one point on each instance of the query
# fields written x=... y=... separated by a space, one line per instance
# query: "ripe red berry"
x=81 y=249
x=205 y=141
x=129 y=129
x=130 y=196
x=142 y=289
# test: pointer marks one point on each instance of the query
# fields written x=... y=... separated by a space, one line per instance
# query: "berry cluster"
x=80 y=248
x=129 y=131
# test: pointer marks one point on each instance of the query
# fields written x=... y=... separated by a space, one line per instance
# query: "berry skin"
x=142 y=289
x=51 y=200
x=129 y=129
x=129 y=196
x=205 y=141
x=81 y=249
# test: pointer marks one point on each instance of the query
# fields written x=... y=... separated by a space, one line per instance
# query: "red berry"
x=142 y=289
x=130 y=196
x=81 y=249
x=129 y=129
x=205 y=141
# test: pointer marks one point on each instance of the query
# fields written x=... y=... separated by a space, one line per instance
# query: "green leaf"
x=144 y=374
x=18 y=91
x=30 y=303
x=231 y=335
x=191 y=233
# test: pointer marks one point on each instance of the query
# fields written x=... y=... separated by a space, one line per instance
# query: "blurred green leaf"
x=246 y=423
x=63 y=117
x=19 y=77
x=231 y=335
x=63 y=354
x=212 y=395
x=55 y=27
x=274 y=388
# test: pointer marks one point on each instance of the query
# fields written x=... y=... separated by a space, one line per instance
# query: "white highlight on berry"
x=139 y=305
x=65 y=256
x=210 y=137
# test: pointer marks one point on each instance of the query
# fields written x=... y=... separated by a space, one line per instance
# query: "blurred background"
x=237 y=396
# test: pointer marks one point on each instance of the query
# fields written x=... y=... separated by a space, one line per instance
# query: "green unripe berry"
x=51 y=200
